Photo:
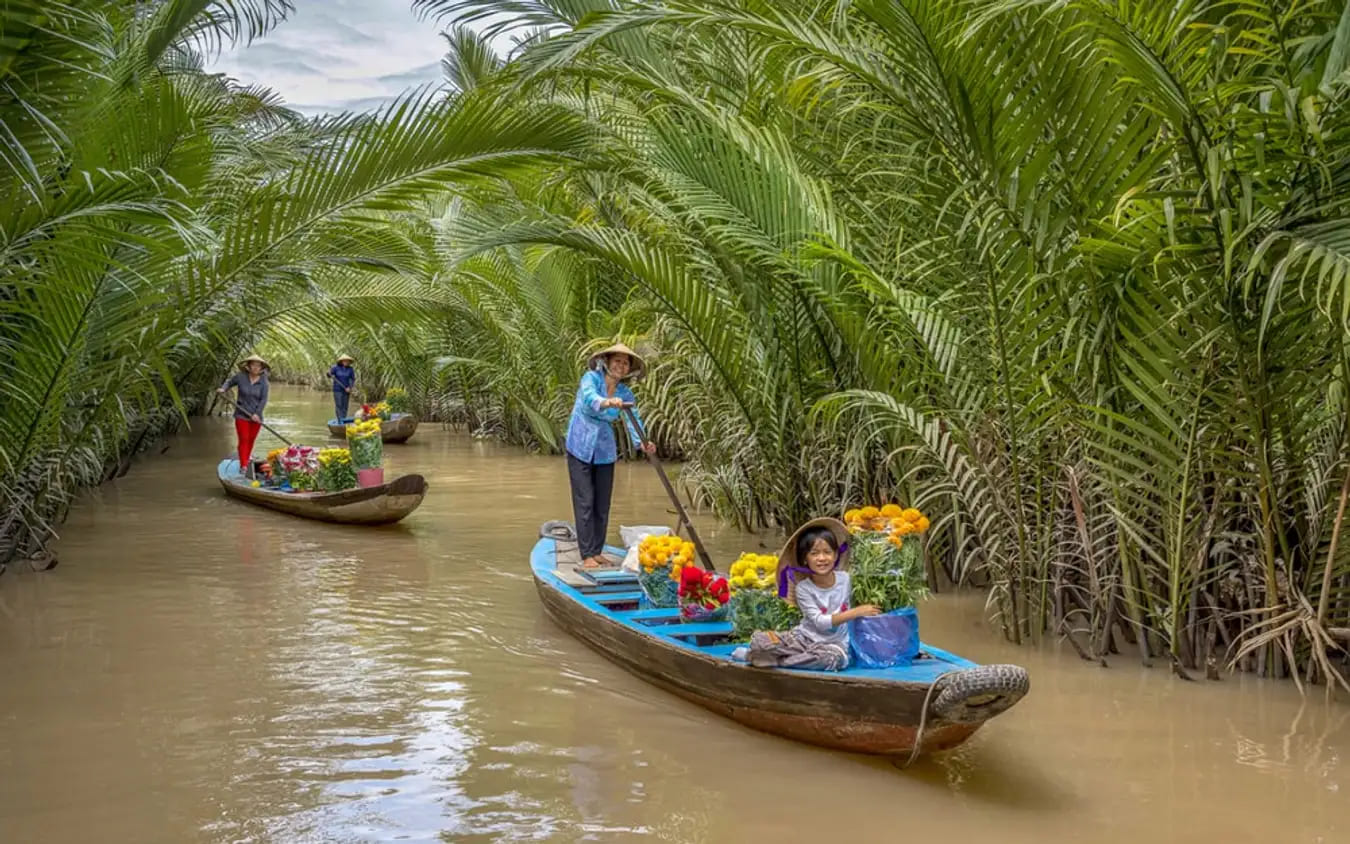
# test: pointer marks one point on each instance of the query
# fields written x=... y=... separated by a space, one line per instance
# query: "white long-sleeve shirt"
x=819 y=605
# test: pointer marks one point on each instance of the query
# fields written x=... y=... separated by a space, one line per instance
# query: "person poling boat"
x=344 y=379
x=250 y=383
x=591 y=447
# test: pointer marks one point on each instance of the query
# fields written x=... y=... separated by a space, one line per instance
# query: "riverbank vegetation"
x=1070 y=276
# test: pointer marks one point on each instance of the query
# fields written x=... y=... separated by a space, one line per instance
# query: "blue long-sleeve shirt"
x=590 y=432
x=343 y=376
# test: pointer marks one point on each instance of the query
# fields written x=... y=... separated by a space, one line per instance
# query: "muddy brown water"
x=198 y=669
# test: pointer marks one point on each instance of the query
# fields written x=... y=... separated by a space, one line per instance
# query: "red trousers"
x=247 y=430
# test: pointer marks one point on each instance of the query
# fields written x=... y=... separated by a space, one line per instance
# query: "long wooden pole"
x=264 y=424
x=670 y=490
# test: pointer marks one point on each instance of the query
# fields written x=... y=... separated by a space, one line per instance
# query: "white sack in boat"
x=633 y=536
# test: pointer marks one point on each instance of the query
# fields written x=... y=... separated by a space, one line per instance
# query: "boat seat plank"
x=709 y=628
x=575 y=578
x=648 y=615
x=612 y=575
x=615 y=597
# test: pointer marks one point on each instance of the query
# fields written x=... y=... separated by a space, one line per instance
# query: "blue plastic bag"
x=887 y=640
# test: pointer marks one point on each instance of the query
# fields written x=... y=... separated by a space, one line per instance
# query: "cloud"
x=417 y=76
x=335 y=55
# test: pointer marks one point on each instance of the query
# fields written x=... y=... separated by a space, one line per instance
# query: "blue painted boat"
x=396 y=429
x=934 y=703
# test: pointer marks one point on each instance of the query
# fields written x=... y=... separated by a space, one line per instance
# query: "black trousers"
x=592 y=486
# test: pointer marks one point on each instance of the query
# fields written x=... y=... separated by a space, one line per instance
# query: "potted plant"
x=367 y=451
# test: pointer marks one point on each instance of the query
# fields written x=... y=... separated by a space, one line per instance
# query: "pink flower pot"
x=369 y=477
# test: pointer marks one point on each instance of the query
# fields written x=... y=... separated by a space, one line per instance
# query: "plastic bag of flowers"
x=703 y=595
x=661 y=559
x=887 y=571
x=365 y=445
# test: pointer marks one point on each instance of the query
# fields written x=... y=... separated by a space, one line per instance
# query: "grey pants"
x=789 y=649
x=592 y=487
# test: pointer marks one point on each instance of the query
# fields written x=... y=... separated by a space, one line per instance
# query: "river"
x=197 y=669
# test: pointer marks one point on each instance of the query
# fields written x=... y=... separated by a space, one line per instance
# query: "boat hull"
x=937 y=702
x=398 y=429
x=379 y=505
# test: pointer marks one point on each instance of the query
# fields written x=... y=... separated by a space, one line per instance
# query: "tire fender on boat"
x=978 y=694
x=559 y=530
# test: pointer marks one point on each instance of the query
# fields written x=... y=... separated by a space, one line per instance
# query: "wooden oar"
x=670 y=490
x=232 y=402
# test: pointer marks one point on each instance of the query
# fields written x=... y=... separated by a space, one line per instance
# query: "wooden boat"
x=398 y=429
x=377 y=505
x=934 y=703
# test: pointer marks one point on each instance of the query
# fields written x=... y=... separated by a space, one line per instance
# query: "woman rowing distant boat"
x=344 y=378
x=591 y=448
x=251 y=383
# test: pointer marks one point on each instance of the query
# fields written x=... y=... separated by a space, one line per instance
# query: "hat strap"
x=783 y=571
x=783 y=577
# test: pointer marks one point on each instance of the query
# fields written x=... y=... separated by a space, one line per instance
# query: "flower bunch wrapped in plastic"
x=299 y=466
x=336 y=471
x=755 y=604
x=703 y=595
x=275 y=470
x=661 y=559
x=754 y=571
x=363 y=440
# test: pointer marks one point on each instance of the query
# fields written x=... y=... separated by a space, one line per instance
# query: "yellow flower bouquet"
x=336 y=471
x=660 y=561
x=755 y=604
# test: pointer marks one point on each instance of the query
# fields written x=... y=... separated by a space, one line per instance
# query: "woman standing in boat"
x=591 y=447
x=251 y=383
x=344 y=379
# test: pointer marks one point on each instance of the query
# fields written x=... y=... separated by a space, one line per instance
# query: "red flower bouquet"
x=703 y=595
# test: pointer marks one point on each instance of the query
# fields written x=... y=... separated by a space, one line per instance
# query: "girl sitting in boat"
x=820 y=589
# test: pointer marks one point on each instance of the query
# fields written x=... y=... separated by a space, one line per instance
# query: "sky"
x=334 y=55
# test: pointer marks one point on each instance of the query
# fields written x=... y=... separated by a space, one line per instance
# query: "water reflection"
x=200 y=670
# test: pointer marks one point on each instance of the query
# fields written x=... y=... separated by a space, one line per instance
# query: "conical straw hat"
x=790 y=571
x=639 y=367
